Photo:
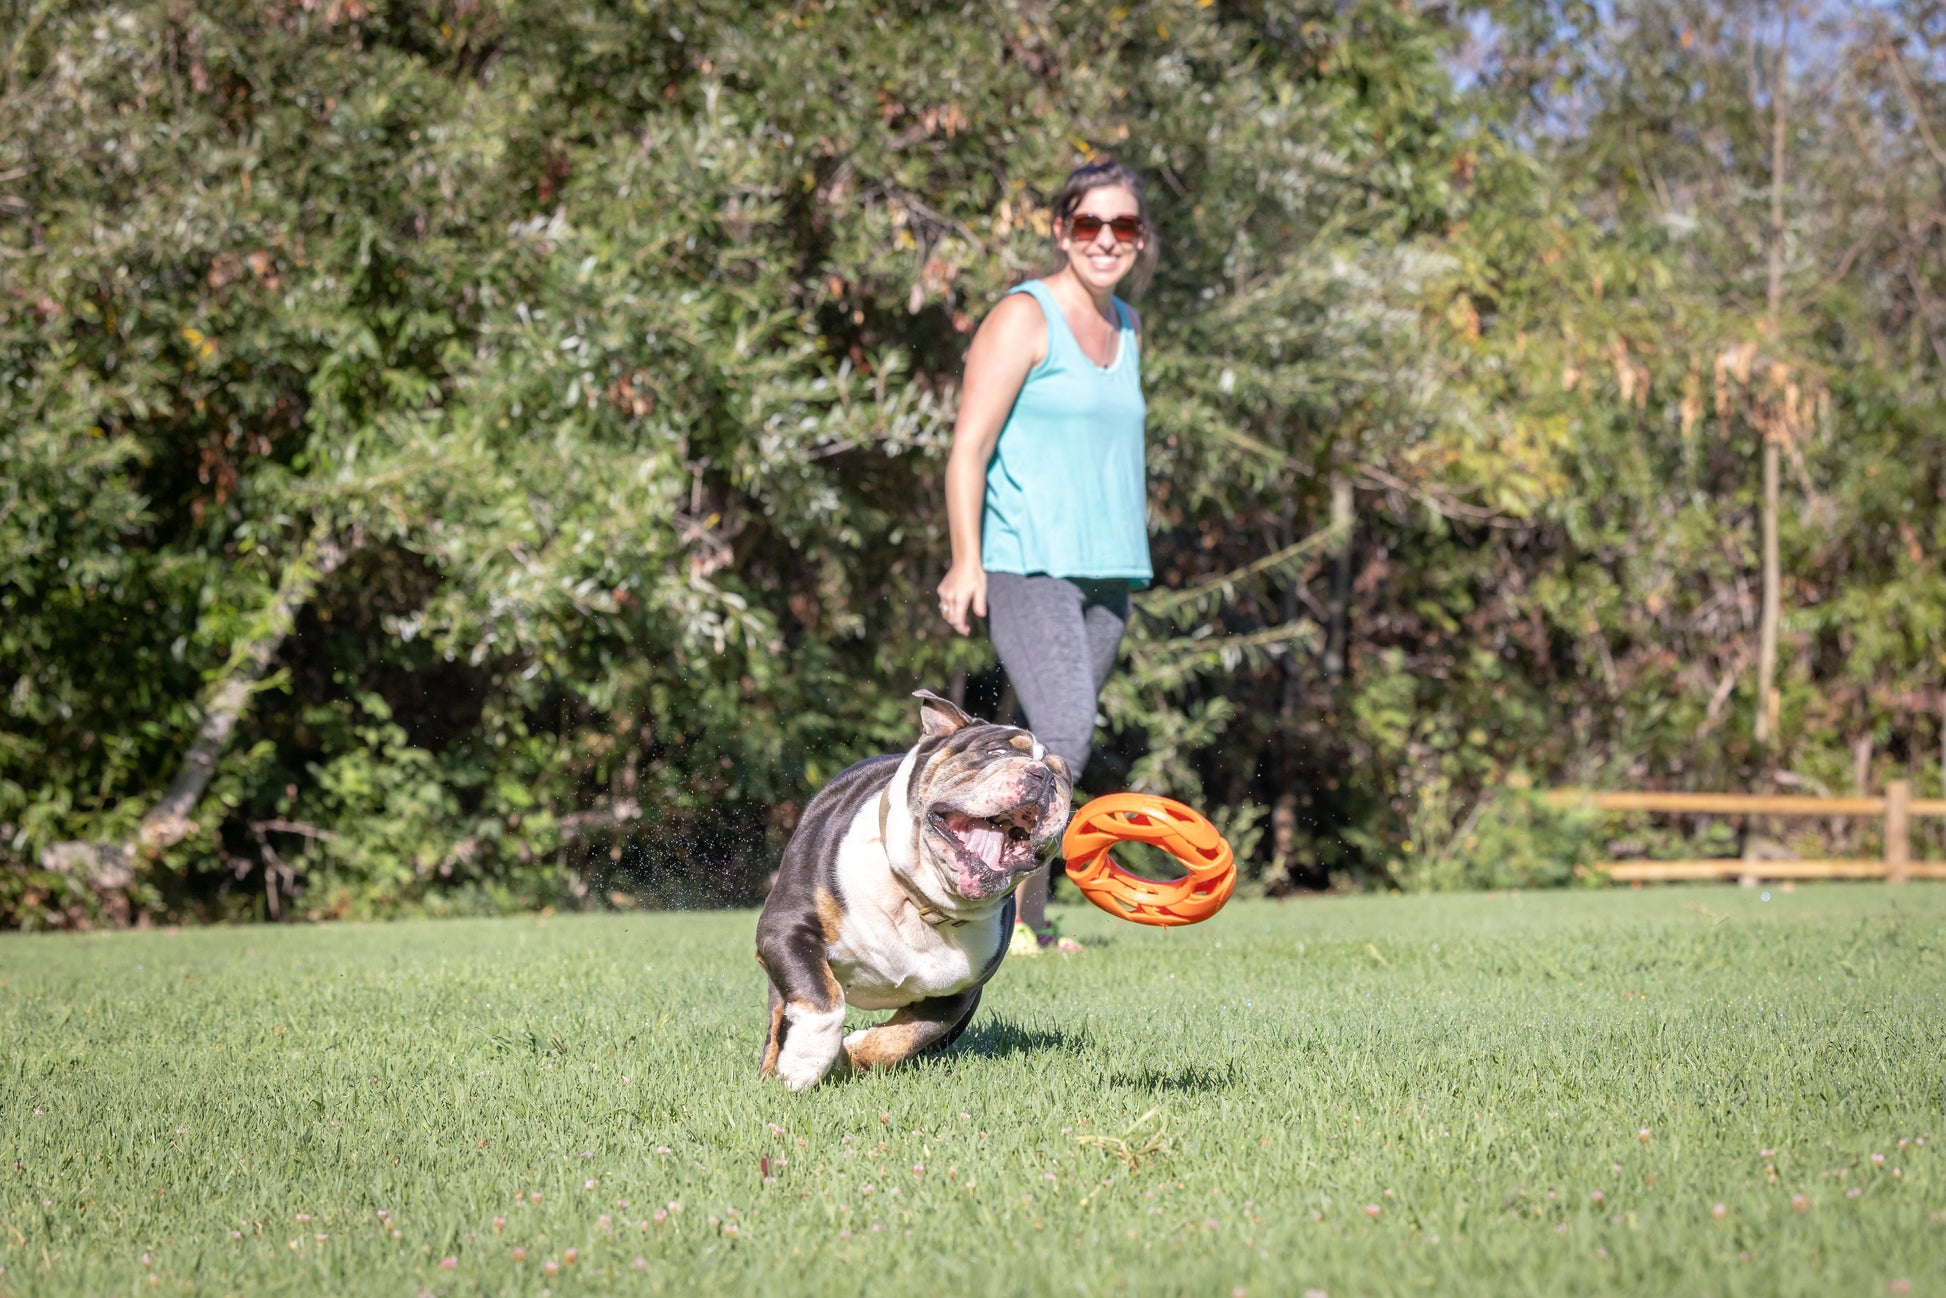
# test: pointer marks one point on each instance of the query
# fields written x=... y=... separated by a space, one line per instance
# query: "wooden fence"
x=1898 y=808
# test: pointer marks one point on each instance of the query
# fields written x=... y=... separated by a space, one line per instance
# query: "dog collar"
x=927 y=911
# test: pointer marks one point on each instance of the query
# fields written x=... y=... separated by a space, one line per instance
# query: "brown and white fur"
x=897 y=892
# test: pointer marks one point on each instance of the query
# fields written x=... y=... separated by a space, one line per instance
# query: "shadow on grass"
x=1194 y=1080
x=1001 y=1038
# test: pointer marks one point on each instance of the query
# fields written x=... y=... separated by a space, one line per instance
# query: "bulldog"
x=896 y=892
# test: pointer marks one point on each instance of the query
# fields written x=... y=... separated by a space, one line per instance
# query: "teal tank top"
x=1067 y=491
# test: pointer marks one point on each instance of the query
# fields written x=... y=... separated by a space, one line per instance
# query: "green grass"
x=1477 y=1068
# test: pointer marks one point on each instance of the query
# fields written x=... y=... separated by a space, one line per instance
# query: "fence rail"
x=1897 y=808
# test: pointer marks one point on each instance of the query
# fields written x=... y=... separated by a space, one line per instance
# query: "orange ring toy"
x=1145 y=818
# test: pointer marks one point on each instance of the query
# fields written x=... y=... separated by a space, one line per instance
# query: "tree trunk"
x=1767 y=627
x=108 y=866
x=1766 y=720
x=1341 y=523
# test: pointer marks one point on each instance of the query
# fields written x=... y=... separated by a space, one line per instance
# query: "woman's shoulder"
x=1016 y=321
x=1029 y=298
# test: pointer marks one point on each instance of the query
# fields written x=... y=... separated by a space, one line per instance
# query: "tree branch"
x=1890 y=53
x=576 y=824
x=1164 y=601
x=109 y=866
x=1444 y=506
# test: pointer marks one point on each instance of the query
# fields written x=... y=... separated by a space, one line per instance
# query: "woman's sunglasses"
x=1083 y=228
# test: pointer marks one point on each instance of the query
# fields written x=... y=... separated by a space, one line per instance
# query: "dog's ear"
x=938 y=716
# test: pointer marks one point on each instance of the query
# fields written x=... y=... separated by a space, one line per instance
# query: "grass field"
x=1506 y=1095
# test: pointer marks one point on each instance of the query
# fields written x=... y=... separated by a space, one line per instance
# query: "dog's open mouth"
x=998 y=844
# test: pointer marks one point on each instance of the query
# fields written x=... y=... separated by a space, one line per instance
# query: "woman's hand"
x=963 y=590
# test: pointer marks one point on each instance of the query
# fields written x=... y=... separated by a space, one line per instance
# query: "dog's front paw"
x=812 y=1045
x=801 y=1074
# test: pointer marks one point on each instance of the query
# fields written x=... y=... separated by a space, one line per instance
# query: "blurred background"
x=461 y=456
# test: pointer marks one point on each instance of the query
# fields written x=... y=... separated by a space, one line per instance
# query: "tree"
x=462 y=455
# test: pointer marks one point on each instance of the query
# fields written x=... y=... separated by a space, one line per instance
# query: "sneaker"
x=1023 y=942
x=1050 y=936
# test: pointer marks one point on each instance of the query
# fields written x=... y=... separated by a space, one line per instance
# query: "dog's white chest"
x=885 y=955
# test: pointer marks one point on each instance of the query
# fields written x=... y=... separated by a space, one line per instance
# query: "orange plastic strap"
x=1145 y=818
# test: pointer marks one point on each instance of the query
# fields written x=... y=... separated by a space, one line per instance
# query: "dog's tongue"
x=984 y=841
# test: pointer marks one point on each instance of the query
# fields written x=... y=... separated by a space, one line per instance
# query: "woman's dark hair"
x=1103 y=173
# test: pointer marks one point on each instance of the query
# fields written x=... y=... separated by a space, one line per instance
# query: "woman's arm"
x=1011 y=342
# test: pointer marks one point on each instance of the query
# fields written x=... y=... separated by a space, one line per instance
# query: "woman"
x=1045 y=489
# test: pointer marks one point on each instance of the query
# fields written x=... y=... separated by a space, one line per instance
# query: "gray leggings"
x=1057 y=637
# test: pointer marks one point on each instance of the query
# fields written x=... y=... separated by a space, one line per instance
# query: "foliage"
x=1509 y=839
x=617 y=344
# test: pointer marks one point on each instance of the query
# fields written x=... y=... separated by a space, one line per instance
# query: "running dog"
x=897 y=892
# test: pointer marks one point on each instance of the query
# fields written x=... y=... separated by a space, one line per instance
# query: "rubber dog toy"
x=1145 y=818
